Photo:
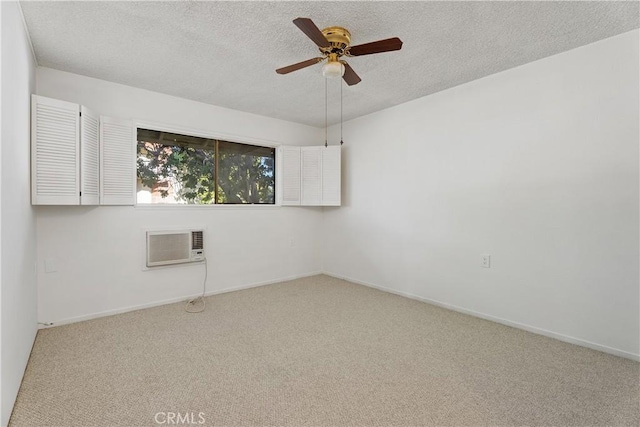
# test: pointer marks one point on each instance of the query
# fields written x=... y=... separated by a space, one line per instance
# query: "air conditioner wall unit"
x=174 y=247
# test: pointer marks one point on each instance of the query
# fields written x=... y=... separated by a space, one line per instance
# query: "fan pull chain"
x=326 y=112
x=341 y=84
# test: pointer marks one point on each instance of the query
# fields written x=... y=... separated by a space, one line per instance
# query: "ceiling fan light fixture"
x=333 y=69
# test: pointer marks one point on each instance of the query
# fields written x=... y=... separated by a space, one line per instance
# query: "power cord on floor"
x=192 y=302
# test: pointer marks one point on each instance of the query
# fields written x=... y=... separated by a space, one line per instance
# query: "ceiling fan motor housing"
x=338 y=37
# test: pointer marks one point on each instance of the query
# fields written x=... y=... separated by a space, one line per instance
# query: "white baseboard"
x=52 y=324
x=528 y=328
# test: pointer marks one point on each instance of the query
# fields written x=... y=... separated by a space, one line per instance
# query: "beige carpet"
x=318 y=351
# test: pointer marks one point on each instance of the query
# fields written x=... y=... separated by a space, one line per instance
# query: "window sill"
x=154 y=206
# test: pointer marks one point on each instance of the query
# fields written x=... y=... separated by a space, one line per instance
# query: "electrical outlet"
x=485 y=261
x=50 y=265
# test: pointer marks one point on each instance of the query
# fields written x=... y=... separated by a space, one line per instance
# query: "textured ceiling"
x=225 y=53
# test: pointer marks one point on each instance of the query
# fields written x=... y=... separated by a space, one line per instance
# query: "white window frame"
x=238 y=139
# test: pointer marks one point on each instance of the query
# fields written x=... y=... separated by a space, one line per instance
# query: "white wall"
x=537 y=166
x=18 y=244
x=98 y=251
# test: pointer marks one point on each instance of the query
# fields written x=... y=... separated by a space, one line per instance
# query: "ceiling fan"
x=334 y=44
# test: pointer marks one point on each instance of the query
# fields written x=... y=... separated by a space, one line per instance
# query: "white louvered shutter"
x=117 y=162
x=311 y=182
x=331 y=175
x=290 y=176
x=89 y=157
x=55 y=156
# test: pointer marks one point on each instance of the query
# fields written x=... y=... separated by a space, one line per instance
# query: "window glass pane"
x=246 y=173
x=180 y=169
x=175 y=168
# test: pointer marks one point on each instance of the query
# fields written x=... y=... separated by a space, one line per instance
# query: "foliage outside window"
x=183 y=169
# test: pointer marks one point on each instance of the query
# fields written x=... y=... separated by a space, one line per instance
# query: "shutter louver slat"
x=55 y=152
x=48 y=148
x=117 y=159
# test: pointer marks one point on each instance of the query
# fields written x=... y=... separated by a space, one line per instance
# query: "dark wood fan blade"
x=312 y=31
x=380 y=46
x=299 y=65
x=350 y=76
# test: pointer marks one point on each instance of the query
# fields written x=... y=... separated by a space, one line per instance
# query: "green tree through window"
x=174 y=168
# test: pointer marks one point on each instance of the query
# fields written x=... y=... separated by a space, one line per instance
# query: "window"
x=183 y=169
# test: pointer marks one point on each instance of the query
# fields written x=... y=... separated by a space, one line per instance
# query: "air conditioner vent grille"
x=164 y=248
x=196 y=240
